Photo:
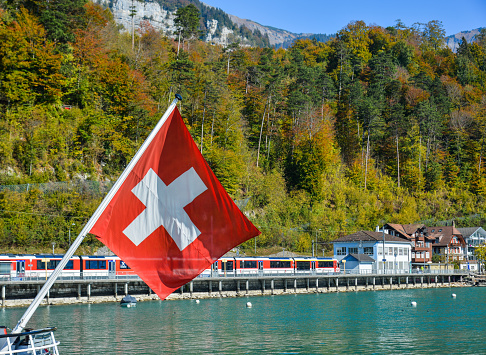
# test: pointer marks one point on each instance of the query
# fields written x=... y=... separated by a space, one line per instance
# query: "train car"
x=36 y=266
x=304 y=265
x=327 y=265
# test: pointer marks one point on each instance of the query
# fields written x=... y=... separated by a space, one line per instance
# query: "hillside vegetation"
x=376 y=125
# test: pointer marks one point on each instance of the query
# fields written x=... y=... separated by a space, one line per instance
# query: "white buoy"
x=453 y=295
x=248 y=305
x=197 y=301
x=413 y=304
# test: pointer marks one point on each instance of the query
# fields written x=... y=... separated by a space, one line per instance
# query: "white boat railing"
x=34 y=342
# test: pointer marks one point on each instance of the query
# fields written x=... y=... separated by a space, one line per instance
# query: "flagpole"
x=94 y=218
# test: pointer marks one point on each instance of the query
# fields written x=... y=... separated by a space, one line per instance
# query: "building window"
x=341 y=251
x=405 y=251
x=368 y=250
x=413 y=255
x=353 y=250
x=400 y=251
x=427 y=254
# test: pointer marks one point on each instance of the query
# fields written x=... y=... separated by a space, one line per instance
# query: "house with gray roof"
x=473 y=237
x=357 y=263
x=391 y=254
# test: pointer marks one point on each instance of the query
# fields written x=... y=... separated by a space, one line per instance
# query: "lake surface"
x=372 y=322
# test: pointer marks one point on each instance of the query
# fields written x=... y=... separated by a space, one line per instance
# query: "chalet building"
x=473 y=237
x=448 y=242
x=390 y=254
x=420 y=241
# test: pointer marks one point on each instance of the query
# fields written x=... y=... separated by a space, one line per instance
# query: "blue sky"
x=325 y=16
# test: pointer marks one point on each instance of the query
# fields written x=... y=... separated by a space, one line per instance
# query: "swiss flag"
x=171 y=218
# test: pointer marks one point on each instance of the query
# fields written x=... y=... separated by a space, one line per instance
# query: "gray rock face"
x=159 y=18
x=453 y=41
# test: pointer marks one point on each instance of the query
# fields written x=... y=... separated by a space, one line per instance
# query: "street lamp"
x=384 y=258
x=53 y=245
x=70 y=233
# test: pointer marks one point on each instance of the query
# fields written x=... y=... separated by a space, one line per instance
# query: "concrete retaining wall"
x=21 y=293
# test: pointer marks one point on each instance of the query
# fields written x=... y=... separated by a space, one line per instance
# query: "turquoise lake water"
x=372 y=322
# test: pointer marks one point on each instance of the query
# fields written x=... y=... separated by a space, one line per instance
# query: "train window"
x=248 y=264
x=52 y=264
x=123 y=265
x=229 y=265
x=325 y=263
x=303 y=265
x=279 y=264
x=95 y=264
x=4 y=268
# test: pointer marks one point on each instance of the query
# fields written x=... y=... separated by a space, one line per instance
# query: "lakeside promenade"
x=17 y=293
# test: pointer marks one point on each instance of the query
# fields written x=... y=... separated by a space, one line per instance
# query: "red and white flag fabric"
x=171 y=218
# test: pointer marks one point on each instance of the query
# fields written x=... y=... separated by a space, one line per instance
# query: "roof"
x=398 y=228
x=367 y=236
x=405 y=229
x=362 y=258
x=467 y=232
x=285 y=254
x=412 y=228
x=444 y=233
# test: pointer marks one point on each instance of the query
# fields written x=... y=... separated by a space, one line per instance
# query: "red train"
x=267 y=266
x=17 y=267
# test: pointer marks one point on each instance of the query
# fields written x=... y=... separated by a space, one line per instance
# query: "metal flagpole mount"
x=178 y=97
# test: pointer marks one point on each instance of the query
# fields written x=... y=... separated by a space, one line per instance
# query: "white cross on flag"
x=171 y=218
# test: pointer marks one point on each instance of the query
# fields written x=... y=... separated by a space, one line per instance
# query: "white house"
x=391 y=254
x=474 y=237
x=357 y=264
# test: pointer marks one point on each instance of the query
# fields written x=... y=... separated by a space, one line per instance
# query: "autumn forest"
x=376 y=125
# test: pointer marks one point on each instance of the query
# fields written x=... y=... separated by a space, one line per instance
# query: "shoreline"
x=227 y=294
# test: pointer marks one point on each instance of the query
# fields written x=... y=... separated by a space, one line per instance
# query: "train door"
x=111 y=269
x=20 y=268
x=214 y=269
x=313 y=267
x=260 y=267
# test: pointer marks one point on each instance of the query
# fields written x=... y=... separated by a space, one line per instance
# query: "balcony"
x=421 y=260
x=421 y=248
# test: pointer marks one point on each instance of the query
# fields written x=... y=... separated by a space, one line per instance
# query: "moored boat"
x=128 y=301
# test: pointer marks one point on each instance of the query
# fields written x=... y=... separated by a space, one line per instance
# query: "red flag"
x=171 y=218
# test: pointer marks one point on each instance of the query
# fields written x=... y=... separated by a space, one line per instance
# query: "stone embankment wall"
x=15 y=294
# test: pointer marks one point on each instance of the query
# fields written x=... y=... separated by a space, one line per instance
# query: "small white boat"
x=30 y=342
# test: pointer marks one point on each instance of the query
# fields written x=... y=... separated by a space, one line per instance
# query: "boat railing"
x=32 y=342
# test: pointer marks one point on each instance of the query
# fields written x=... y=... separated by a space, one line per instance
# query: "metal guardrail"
x=32 y=342
x=246 y=275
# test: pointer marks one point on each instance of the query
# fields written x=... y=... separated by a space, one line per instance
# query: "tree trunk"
x=212 y=129
x=202 y=124
x=366 y=161
x=398 y=163
x=261 y=131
